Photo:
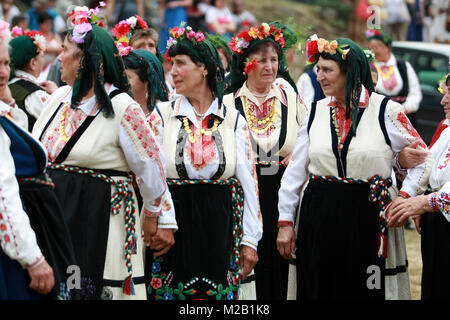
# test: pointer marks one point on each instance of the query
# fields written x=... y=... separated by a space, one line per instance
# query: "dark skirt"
x=337 y=244
x=200 y=264
x=272 y=269
x=53 y=237
x=86 y=205
x=435 y=247
x=14 y=281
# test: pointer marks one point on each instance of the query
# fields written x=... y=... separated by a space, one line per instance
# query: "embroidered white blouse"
x=36 y=102
x=394 y=84
x=440 y=174
x=17 y=238
x=149 y=170
x=245 y=166
x=400 y=133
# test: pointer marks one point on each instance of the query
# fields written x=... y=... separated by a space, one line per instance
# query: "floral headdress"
x=5 y=34
x=379 y=34
x=442 y=84
x=124 y=30
x=82 y=19
x=38 y=38
x=242 y=41
x=181 y=33
x=315 y=46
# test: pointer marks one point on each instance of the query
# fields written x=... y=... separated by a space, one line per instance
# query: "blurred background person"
x=397 y=19
x=219 y=19
x=242 y=18
x=117 y=10
x=171 y=14
x=41 y=6
x=53 y=43
x=8 y=10
x=417 y=12
x=20 y=21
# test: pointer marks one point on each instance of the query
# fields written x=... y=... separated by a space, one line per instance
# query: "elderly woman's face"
x=380 y=50
x=446 y=102
x=330 y=77
x=69 y=59
x=145 y=43
x=266 y=69
x=186 y=75
x=4 y=66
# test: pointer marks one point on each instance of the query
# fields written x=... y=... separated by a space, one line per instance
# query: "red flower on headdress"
x=245 y=35
x=121 y=29
x=311 y=49
x=249 y=66
x=141 y=23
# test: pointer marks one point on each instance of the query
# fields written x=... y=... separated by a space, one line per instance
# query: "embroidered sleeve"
x=17 y=238
x=305 y=89
x=401 y=133
x=156 y=124
x=36 y=102
x=246 y=173
x=302 y=110
x=440 y=201
x=143 y=155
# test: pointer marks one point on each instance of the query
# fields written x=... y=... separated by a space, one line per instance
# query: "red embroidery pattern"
x=140 y=133
x=202 y=150
x=4 y=234
x=403 y=119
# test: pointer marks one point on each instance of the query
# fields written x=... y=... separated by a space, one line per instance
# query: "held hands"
x=159 y=240
x=410 y=156
x=401 y=209
x=286 y=241
x=249 y=258
x=42 y=279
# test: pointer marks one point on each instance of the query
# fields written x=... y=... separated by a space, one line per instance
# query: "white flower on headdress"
x=132 y=21
x=40 y=42
x=313 y=37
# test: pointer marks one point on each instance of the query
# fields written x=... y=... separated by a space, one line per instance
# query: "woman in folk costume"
x=31 y=222
x=273 y=113
x=212 y=178
x=345 y=152
x=21 y=259
x=27 y=59
x=95 y=134
x=432 y=216
x=397 y=78
x=144 y=70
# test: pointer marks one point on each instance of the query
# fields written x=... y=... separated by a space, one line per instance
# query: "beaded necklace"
x=199 y=132
x=336 y=126
x=256 y=123
x=62 y=124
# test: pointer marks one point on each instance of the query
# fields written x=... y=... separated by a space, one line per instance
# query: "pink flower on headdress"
x=102 y=4
x=180 y=32
x=123 y=48
x=191 y=35
x=4 y=30
x=200 y=37
x=80 y=31
x=16 y=32
x=121 y=29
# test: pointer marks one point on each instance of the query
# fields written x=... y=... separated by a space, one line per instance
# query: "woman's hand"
x=49 y=86
x=410 y=157
x=162 y=241
x=286 y=160
x=249 y=258
x=42 y=279
x=402 y=209
x=286 y=241
x=416 y=220
x=149 y=227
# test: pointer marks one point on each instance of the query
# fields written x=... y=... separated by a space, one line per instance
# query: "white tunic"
x=17 y=238
x=313 y=153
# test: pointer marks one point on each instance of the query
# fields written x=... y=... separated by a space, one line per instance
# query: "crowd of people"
x=188 y=164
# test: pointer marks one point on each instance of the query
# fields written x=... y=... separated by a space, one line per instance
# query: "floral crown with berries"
x=315 y=46
x=182 y=33
x=124 y=30
x=244 y=38
x=38 y=38
x=82 y=19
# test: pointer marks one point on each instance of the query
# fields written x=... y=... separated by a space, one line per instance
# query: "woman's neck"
x=201 y=102
x=142 y=101
x=258 y=90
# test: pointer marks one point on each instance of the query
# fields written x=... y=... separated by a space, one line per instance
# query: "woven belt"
x=123 y=194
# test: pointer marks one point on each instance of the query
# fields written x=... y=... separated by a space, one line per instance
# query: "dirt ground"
x=415 y=262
